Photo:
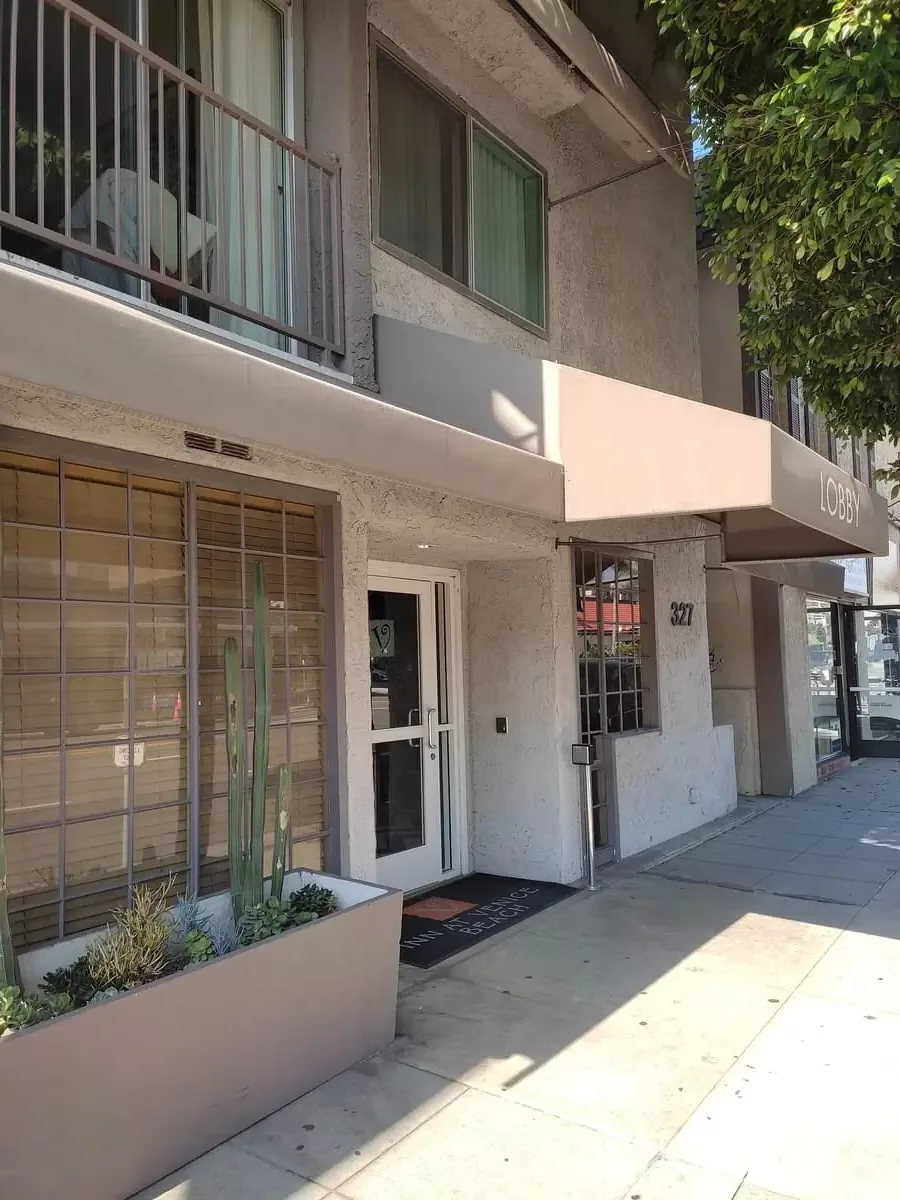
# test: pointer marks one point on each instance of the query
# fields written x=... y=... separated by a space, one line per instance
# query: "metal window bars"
x=120 y=168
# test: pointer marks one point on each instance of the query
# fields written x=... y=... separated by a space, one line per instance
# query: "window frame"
x=194 y=476
x=381 y=45
x=644 y=571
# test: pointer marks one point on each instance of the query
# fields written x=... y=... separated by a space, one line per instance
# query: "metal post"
x=589 y=827
x=583 y=756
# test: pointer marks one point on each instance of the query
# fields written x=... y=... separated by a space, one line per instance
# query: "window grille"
x=615 y=649
x=118 y=593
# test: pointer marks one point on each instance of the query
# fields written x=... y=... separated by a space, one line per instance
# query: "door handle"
x=432 y=728
x=409 y=721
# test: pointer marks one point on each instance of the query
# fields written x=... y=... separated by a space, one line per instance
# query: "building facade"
x=801 y=659
x=399 y=299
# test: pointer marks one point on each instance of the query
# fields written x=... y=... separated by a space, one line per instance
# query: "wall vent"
x=212 y=445
x=235 y=449
x=200 y=441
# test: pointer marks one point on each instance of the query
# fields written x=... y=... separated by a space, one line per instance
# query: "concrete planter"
x=101 y=1103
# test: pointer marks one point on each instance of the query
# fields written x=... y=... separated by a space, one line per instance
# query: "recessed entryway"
x=416 y=685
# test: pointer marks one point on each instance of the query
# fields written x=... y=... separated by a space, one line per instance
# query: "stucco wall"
x=376 y=519
x=733 y=671
x=524 y=804
x=335 y=39
x=796 y=680
x=671 y=780
x=622 y=261
x=720 y=347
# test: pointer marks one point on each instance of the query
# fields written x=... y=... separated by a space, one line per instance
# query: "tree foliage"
x=798 y=102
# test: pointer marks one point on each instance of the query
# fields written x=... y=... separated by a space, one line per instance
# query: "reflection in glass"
x=878 y=664
x=394 y=659
x=397 y=770
x=823 y=680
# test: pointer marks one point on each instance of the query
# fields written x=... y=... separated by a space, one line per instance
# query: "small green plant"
x=136 y=949
x=186 y=915
x=265 y=920
x=198 y=946
x=17 y=1011
x=315 y=899
x=223 y=935
x=74 y=981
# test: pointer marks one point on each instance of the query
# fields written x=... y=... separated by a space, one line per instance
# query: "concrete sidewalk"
x=663 y=1039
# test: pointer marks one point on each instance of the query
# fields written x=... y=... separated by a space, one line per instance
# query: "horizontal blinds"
x=98 y=740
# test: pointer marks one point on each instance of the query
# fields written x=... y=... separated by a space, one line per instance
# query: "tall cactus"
x=246 y=827
x=7 y=960
x=282 y=829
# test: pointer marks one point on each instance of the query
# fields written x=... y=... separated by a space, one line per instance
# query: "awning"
x=630 y=451
x=816 y=577
x=615 y=103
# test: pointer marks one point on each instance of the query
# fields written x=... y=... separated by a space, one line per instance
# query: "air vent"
x=212 y=445
x=201 y=441
x=235 y=449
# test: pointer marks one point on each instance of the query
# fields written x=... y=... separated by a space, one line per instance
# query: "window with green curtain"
x=508 y=229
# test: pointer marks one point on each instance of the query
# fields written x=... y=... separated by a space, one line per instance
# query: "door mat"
x=457 y=915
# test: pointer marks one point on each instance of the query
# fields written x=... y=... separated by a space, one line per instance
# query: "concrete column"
x=353 y=716
x=337 y=123
x=786 y=746
x=524 y=791
x=732 y=669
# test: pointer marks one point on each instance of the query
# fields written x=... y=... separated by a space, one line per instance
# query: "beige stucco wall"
x=720 y=347
x=524 y=790
x=378 y=519
x=622 y=262
x=670 y=780
x=521 y=656
x=733 y=670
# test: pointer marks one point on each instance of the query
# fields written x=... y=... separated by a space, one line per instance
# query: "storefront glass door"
x=874 y=685
x=822 y=644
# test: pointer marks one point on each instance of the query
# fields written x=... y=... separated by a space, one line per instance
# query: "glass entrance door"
x=403 y=656
x=874 y=636
x=825 y=679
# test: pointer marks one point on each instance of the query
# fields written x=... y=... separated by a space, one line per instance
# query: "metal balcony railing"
x=120 y=168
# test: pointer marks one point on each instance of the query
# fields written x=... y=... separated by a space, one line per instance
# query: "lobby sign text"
x=838 y=500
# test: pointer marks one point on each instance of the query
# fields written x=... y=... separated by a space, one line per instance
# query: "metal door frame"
x=860 y=747
x=458 y=812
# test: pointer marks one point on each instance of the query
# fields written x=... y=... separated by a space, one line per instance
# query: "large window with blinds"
x=453 y=196
x=119 y=590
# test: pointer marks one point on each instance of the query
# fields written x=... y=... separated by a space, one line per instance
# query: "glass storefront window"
x=823 y=680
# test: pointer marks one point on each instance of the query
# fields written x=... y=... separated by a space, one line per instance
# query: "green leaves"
x=800 y=108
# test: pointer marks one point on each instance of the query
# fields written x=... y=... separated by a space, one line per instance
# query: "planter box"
x=102 y=1102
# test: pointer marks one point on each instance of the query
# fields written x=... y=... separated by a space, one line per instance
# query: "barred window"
x=119 y=591
x=614 y=611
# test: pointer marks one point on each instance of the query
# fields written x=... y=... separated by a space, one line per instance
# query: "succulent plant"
x=311 y=897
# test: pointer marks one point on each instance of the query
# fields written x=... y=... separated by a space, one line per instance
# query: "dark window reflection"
x=394 y=659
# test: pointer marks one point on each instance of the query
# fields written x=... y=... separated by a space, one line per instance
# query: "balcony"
x=145 y=148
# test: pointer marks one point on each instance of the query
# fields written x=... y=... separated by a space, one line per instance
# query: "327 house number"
x=682 y=613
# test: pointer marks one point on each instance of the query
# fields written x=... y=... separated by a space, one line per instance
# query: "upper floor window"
x=455 y=197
